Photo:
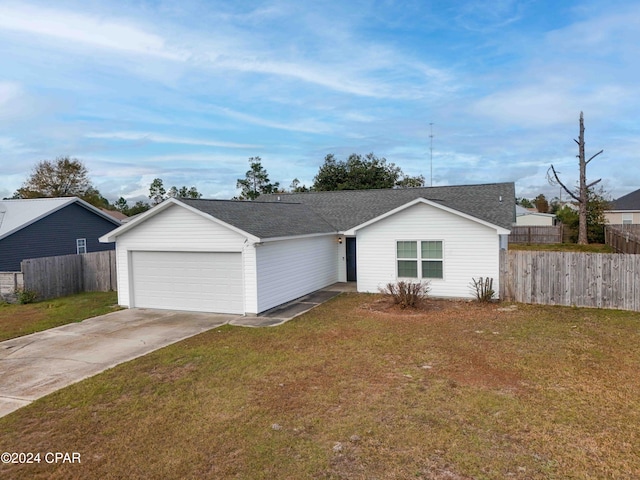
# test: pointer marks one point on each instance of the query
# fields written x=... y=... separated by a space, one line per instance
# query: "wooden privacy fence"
x=602 y=280
x=623 y=238
x=52 y=277
x=536 y=234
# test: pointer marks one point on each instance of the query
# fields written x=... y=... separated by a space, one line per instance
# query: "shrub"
x=483 y=289
x=26 y=296
x=407 y=294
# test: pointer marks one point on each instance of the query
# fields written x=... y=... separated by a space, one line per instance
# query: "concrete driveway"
x=41 y=363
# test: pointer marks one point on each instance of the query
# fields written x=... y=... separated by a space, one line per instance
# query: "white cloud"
x=8 y=92
x=158 y=138
x=306 y=125
x=11 y=146
x=85 y=29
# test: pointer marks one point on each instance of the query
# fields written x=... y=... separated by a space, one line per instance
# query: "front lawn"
x=353 y=390
x=17 y=320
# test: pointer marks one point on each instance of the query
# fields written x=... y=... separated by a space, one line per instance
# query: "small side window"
x=81 y=245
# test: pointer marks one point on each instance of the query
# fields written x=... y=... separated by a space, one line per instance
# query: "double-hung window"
x=81 y=245
x=627 y=218
x=420 y=259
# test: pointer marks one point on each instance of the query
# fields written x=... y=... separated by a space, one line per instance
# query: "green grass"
x=354 y=390
x=563 y=247
x=17 y=320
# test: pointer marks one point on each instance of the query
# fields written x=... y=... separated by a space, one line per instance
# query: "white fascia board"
x=499 y=230
x=293 y=237
x=111 y=236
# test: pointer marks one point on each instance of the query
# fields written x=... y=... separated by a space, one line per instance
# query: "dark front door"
x=351 y=259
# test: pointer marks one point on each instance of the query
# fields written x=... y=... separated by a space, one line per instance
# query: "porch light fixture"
x=340 y=240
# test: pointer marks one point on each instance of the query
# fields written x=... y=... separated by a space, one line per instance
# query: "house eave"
x=295 y=237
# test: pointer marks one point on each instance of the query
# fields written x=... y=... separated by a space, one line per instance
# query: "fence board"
x=623 y=238
x=601 y=280
x=52 y=277
x=536 y=234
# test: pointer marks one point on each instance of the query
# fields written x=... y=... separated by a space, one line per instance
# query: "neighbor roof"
x=346 y=209
x=18 y=214
x=630 y=201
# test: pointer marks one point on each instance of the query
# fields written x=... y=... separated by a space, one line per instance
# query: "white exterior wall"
x=289 y=269
x=179 y=230
x=470 y=249
x=543 y=220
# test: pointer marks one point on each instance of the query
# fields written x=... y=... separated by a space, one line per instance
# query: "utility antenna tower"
x=431 y=151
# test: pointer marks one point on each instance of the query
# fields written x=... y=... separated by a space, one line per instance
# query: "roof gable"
x=432 y=204
x=630 y=201
x=18 y=214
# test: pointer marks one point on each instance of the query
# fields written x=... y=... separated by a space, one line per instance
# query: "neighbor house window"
x=81 y=245
x=627 y=218
x=420 y=259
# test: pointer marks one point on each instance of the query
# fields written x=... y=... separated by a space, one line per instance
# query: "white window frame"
x=419 y=260
x=81 y=244
x=627 y=218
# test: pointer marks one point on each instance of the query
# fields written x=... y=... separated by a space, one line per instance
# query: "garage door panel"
x=194 y=281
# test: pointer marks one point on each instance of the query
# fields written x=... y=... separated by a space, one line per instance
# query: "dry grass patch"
x=17 y=320
x=354 y=390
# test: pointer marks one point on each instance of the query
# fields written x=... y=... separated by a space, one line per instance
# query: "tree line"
x=66 y=177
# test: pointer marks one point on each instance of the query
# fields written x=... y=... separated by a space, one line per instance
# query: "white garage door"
x=193 y=281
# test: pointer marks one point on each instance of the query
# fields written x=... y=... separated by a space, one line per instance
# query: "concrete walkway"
x=35 y=365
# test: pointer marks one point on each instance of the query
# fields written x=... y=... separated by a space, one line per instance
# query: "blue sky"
x=188 y=90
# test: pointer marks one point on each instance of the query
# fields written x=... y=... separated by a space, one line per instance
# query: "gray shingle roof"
x=493 y=203
x=265 y=219
x=293 y=214
x=630 y=201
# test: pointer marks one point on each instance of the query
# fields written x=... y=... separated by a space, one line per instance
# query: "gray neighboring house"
x=247 y=257
x=625 y=210
x=47 y=227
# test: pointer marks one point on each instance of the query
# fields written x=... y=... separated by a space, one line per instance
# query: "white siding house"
x=249 y=257
x=177 y=230
x=289 y=269
x=525 y=217
x=466 y=248
x=177 y=257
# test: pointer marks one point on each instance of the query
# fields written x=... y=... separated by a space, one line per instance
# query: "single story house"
x=527 y=217
x=625 y=210
x=47 y=227
x=248 y=257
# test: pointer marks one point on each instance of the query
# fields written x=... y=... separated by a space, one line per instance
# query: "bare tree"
x=581 y=194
